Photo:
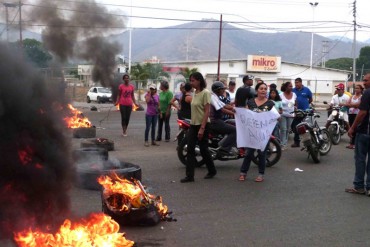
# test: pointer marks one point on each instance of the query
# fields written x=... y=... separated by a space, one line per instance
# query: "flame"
x=134 y=107
x=77 y=119
x=99 y=230
x=121 y=195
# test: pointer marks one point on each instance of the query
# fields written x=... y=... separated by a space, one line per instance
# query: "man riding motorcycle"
x=217 y=110
x=340 y=99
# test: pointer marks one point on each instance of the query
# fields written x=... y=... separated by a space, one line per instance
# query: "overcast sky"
x=254 y=15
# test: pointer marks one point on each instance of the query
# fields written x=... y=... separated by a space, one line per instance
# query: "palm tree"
x=186 y=72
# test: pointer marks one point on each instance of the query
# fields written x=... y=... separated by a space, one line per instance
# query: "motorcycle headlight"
x=334 y=113
x=341 y=114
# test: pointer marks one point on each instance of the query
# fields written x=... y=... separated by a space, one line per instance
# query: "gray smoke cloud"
x=81 y=34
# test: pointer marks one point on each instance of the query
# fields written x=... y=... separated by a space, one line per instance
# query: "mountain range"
x=200 y=41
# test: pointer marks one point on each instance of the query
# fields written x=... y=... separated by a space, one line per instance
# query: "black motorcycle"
x=273 y=152
x=315 y=139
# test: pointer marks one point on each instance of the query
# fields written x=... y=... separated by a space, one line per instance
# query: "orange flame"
x=99 y=230
x=134 y=107
x=77 y=119
x=122 y=195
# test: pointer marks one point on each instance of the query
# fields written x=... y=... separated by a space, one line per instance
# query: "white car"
x=99 y=94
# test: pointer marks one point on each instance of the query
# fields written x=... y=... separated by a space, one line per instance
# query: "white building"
x=270 y=69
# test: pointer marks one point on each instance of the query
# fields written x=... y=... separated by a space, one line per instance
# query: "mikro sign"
x=263 y=63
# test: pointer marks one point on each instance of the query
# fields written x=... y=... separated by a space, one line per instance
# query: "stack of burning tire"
x=98 y=143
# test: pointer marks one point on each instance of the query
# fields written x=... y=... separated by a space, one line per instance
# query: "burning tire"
x=99 y=143
x=84 y=132
x=87 y=174
x=90 y=154
x=182 y=153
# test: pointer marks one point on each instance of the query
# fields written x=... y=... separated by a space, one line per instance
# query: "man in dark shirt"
x=362 y=144
x=245 y=92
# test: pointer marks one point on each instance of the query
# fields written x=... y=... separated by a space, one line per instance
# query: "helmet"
x=217 y=85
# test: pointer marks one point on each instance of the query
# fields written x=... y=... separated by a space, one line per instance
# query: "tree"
x=186 y=72
x=35 y=53
x=148 y=72
x=363 y=61
x=343 y=63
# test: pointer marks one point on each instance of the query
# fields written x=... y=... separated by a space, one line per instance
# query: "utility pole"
x=325 y=45
x=354 y=46
x=8 y=5
x=219 y=50
x=20 y=25
x=313 y=5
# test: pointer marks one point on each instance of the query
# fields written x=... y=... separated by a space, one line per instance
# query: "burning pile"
x=98 y=230
x=76 y=119
x=122 y=197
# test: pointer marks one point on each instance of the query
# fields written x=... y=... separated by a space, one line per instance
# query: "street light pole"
x=313 y=5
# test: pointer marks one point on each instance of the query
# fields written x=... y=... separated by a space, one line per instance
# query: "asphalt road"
x=289 y=208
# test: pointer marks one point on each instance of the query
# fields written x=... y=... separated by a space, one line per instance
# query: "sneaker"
x=146 y=144
x=154 y=143
x=167 y=140
x=283 y=147
x=295 y=145
x=356 y=191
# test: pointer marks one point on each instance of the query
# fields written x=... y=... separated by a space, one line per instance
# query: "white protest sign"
x=253 y=129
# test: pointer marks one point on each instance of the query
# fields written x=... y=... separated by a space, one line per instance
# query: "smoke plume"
x=79 y=30
x=36 y=171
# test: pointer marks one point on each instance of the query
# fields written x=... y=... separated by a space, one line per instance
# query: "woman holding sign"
x=258 y=104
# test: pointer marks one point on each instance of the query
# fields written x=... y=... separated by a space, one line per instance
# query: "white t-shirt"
x=216 y=102
x=288 y=105
x=336 y=100
x=232 y=95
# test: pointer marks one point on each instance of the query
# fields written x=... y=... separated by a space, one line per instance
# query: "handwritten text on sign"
x=254 y=129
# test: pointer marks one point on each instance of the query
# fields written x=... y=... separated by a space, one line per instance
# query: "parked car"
x=99 y=94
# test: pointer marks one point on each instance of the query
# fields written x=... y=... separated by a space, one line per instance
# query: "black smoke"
x=35 y=168
x=79 y=29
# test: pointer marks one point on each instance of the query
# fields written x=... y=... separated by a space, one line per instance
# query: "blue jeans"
x=362 y=150
x=285 y=124
x=151 y=123
x=248 y=158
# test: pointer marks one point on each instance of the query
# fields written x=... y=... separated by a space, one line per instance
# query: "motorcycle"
x=337 y=126
x=273 y=153
x=315 y=139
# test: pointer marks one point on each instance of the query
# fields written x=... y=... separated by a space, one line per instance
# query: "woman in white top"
x=353 y=105
x=288 y=99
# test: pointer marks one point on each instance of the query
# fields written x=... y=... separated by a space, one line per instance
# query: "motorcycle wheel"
x=315 y=153
x=182 y=153
x=326 y=145
x=334 y=136
x=273 y=153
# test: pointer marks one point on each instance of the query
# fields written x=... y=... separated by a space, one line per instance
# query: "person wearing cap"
x=245 y=92
x=151 y=115
x=340 y=99
x=304 y=99
x=217 y=110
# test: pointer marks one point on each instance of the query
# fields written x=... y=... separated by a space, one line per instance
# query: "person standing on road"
x=245 y=92
x=199 y=128
x=259 y=104
x=304 y=99
x=288 y=99
x=362 y=145
x=231 y=90
x=151 y=116
x=165 y=97
x=275 y=97
x=353 y=104
x=177 y=98
x=125 y=99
